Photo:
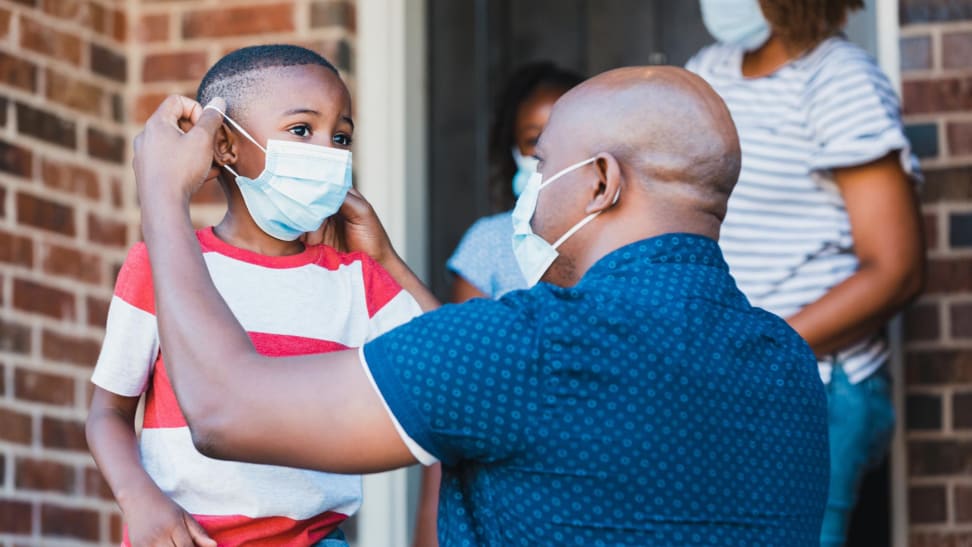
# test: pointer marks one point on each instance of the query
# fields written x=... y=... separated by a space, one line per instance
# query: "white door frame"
x=390 y=165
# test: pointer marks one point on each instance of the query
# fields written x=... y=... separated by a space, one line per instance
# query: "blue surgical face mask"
x=301 y=185
x=526 y=166
x=533 y=254
x=736 y=22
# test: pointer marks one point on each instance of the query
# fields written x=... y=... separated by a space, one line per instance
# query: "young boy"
x=285 y=167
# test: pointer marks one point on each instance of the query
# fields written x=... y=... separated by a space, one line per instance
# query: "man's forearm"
x=201 y=340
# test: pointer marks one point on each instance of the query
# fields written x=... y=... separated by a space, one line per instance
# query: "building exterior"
x=78 y=77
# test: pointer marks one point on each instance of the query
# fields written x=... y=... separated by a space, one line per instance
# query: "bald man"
x=633 y=397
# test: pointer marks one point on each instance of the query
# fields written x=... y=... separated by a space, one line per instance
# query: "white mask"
x=736 y=22
x=533 y=254
x=301 y=185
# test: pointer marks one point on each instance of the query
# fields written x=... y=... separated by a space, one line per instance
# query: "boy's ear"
x=225 y=147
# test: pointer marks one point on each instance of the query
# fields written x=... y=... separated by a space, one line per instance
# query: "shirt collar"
x=680 y=248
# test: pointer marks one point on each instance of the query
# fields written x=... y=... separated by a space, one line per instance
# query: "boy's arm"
x=151 y=516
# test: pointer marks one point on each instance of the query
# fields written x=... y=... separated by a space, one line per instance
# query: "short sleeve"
x=131 y=343
x=472 y=257
x=463 y=381
x=854 y=112
x=388 y=304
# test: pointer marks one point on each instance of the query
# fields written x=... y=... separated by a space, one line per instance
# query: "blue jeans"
x=334 y=539
x=861 y=418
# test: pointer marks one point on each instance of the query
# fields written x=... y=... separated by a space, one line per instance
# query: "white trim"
x=420 y=453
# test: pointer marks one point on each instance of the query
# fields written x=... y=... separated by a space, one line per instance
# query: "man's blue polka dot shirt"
x=648 y=405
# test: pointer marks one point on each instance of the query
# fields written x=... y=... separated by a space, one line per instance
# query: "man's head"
x=281 y=92
x=664 y=142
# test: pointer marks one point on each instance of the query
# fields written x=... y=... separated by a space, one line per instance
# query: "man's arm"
x=316 y=411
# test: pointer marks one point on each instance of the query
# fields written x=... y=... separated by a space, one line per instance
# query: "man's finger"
x=211 y=118
x=198 y=535
x=175 y=108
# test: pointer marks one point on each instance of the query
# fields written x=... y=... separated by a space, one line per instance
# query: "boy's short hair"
x=230 y=77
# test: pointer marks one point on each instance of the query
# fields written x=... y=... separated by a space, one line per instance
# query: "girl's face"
x=532 y=117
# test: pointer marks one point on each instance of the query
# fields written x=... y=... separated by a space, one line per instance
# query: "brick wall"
x=77 y=78
x=936 y=59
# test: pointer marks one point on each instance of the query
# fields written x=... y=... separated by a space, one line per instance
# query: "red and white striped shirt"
x=317 y=301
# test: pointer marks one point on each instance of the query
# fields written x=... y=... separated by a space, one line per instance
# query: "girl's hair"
x=803 y=24
x=522 y=84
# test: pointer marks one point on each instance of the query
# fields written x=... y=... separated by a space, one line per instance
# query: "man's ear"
x=607 y=185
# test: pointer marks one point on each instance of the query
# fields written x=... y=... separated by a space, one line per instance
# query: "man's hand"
x=171 y=164
x=355 y=227
x=158 y=521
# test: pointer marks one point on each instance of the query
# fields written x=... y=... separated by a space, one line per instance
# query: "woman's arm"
x=889 y=245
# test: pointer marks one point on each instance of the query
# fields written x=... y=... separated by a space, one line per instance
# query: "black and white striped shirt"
x=787 y=236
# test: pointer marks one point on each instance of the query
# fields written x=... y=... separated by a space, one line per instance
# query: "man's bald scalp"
x=663 y=123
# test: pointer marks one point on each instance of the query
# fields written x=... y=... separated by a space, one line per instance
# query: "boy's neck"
x=238 y=229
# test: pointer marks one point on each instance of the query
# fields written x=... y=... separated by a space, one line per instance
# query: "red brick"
x=115 y=186
x=44 y=214
x=42 y=39
x=937 y=95
x=69 y=349
x=106 y=231
x=949 y=184
x=106 y=146
x=333 y=13
x=34 y=297
x=4 y=23
x=70 y=178
x=239 y=21
x=940 y=539
x=14 y=338
x=97 y=312
x=921 y=322
x=116 y=527
x=17 y=72
x=72 y=263
x=108 y=22
x=962 y=410
x=63 y=434
x=15 y=249
x=162 y=67
x=957 y=49
x=15 y=428
x=153 y=28
x=916 y=53
x=939 y=457
x=3 y=390
x=949 y=275
x=146 y=104
x=924 y=412
x=44 y=475
x=927 y=504
x=43 y=387
x=963 y=503
x=959 y=138
x=930 y=228
x=108 y=63
x=75 y=93
x=70 y=522
x=95 y=485
x=937 y=367
x=46 y=126
x=961 y=319
x=15 y=160
x=65 y=9
x=15 y=517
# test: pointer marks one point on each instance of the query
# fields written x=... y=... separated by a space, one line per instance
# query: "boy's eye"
x=341 y=139
x=301 y=130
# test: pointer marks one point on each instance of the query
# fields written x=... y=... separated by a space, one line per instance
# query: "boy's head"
x=281 y=92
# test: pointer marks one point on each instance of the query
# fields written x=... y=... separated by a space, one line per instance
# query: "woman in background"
x=483 y=263
x=823 y=226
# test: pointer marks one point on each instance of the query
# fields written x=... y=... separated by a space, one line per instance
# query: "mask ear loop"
x=583 y=223
x=239 y=128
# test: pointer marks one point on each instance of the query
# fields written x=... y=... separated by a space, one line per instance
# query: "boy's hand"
x=355 y=227
x=158 y=521
x=171 y=164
